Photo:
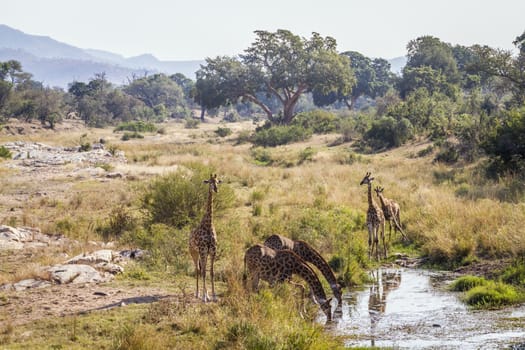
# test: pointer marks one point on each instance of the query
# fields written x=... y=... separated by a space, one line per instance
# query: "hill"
x=57 y=64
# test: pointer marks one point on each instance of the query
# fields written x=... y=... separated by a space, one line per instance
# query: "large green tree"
x=157 y=91
x=373 y=79
x=278 y=64
x=430 y=65
x=505 y=65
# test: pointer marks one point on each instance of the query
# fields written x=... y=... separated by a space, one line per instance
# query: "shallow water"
x=411 y=309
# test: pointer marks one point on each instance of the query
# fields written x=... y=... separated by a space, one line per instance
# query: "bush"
x=280 y=135
x=136 y=127
x=192 y=123
x=506 y=146
x=5 y=153
x=448 y=153
x=388 y=132
x=179 y=198
x=223 y=132
x=320 y=121
x=128 y=136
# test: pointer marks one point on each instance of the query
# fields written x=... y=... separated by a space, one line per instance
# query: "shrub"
x=5 y=153
x=320 y=121
x=261 y=156
x=136 y=127
x=280 y=135
x=128 y=136
x=388 y=132
x=448 y=153
x=515 y=273
x=179 y=198
x=306 y=154
x=223 y=132
x=191 y=123
x=506 y=146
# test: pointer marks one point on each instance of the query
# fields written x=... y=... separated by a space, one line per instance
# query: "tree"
x=373 y=79
x=278 y=64
x=431 y=65
x=156 y=90
x=503 y=64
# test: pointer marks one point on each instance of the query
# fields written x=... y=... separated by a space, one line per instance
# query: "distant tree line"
x=468 y=100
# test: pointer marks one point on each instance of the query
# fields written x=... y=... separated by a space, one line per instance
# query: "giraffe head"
x=379 y=190
x=213 y=182
x=327 y=309
x=367 y=179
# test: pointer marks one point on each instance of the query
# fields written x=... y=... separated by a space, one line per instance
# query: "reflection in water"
x=418 y=312
x=383 y=282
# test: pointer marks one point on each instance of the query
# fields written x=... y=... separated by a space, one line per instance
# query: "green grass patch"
x=466 y=283
x=493 y=295
x=5 y=153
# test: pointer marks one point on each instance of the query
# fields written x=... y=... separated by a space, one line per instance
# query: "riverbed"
x=412 y=309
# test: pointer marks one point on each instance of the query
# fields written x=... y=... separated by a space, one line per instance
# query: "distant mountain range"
x=57 y=64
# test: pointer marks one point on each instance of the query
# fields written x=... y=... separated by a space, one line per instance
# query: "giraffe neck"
x=371 y=203
x=311 y=278
x=208 y=215
x=382 y=199
x=312 y=256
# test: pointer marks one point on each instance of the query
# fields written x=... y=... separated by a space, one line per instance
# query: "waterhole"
x=412 y=309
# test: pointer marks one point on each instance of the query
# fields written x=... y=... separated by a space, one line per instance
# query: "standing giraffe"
x=203 y=243
x=375 y=221
x=308 y=254
x=391 y=210
x=277 y=266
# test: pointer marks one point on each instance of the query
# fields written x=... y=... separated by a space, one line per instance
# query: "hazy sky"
x=195 y=29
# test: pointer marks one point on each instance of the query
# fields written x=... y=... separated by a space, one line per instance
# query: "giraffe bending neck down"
x=392 y=211
x=203 y=243
x=309 y=254
x=277 y=266
x=375 y=221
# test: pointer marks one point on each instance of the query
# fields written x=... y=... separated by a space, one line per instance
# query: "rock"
x=132 y=254
x=99 y=256
x=76 y=273
x=30 y=283
x=109 y=267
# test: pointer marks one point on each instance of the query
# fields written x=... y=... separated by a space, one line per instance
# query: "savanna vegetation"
x=300 y=124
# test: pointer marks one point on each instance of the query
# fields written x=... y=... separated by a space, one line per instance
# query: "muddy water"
x=411 y=309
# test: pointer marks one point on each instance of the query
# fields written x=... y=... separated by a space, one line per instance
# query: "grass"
x=493 y=295
x=466 y=283
x=306 y=190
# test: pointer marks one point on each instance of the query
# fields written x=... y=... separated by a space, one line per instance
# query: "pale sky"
x=196 y=29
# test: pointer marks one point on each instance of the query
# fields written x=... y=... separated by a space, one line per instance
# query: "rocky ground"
x=68 y=285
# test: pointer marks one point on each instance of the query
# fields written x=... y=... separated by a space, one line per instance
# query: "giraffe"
x=375 y=221
x=308 y=254
x=391 y=210
x=203 y=243
x=277 y=266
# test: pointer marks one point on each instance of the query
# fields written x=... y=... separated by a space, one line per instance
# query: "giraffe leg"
x=212 y=276
x=382 y=228
x=376 y=243
x=195 y=258
x=203 y=263
x=370 y=242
